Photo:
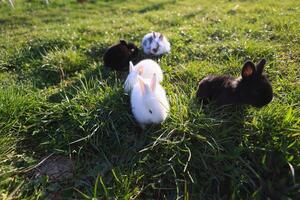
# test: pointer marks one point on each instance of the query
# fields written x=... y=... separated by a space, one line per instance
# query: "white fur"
x=148 y=95
x=155 y=41
x=236 y=81
x=145 y=68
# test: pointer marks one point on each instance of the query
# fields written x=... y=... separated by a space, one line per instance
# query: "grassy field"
x=61 y=110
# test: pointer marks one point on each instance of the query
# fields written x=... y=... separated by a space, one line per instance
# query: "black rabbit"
x=117 y=57
x=251 y=88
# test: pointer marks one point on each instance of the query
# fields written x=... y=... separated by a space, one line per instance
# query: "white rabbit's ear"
x=142 y=84
x=153 y=34
x=140 y=70
x=161 y=36
x=153 y=82
x=131 y=66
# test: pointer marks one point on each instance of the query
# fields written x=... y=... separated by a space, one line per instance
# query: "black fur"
x=252 y=88
x=117 y=57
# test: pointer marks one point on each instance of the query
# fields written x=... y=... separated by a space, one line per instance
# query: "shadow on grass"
x=201 y=154
x=99 y=73
x=27 y=61
x=96 y=51
x=235 y=155
x=156 y=6
x=31 y=51
x=219 y=157
x=96 y=129
x=46 y=62
x=16 y=21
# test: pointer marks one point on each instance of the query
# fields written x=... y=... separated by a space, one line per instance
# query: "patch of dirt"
x=57 y=168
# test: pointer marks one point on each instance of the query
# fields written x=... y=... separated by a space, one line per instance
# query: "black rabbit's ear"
x=248 y=69
x=153 y=34
x=123 y=42
x=260 y=66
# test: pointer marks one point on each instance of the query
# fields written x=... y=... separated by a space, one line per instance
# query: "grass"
x=57 y=99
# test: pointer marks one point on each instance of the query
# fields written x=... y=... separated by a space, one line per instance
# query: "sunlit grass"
x=56 y=98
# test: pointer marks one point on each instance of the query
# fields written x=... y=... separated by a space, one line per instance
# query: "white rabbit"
x=149 y=103
x=145 y=68
x=155 y=43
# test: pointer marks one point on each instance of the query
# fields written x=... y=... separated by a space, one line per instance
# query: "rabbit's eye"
x=150 y=111
x=155 y=49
